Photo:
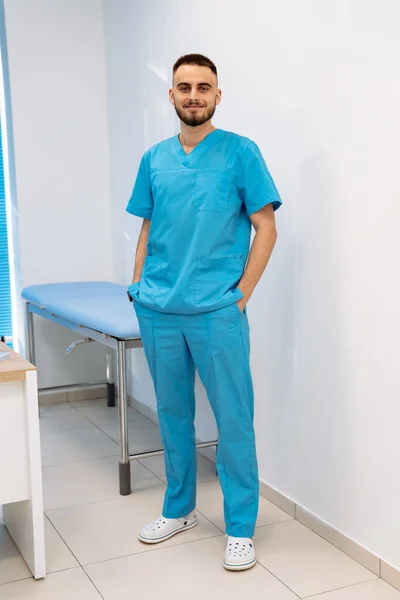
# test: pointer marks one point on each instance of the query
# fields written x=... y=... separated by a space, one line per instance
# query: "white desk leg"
x=24 y=520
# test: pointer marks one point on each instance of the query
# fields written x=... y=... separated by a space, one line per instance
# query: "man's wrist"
x=134 y=282
x=246 y=293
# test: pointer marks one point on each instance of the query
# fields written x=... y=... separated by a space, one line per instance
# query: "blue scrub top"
x=199 y=205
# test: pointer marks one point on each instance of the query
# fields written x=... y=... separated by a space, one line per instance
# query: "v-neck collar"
x=207 y=142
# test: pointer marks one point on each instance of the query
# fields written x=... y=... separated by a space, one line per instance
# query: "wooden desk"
x=20 y=460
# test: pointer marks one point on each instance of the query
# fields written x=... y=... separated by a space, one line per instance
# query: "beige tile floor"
x=91 y=544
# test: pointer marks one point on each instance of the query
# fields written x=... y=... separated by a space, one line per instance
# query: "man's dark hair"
x=195 y=59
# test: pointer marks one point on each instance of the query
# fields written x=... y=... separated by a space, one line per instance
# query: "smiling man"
x=199 y=194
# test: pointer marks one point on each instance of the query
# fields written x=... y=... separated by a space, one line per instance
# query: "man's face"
x=195 y=94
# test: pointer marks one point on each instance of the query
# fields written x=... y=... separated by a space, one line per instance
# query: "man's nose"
x=194 y=95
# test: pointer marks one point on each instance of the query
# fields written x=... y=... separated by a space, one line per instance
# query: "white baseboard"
x=390 y=574
x=366 y=558
x=278 y=499
x=59 y=397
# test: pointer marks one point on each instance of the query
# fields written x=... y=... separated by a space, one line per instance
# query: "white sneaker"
x=240 y=554
x=162 y=528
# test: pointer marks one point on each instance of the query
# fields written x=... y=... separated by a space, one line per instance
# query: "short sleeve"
x=255 y=184
x=141 y=201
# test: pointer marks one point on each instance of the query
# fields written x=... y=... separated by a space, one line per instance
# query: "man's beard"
x=194 y=120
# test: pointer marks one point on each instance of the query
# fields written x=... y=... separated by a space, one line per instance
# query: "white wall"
x=317 y=85
x=58 y=92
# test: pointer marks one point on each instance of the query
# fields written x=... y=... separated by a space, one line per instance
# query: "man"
x=199 y=193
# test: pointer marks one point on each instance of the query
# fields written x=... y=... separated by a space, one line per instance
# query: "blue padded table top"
x=99 y=305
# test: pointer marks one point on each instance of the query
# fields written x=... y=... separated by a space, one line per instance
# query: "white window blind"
x=5 y=291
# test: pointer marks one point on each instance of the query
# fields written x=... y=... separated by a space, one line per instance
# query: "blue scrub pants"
x=217 y=345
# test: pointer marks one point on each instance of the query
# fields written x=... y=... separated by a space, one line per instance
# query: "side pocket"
x=151 y=280
x=235 y=305
x=217 y=277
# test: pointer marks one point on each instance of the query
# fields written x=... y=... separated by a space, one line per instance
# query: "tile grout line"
x=111 y=499
x=345 y=587
x=94 y=459
x=134 y=553
x=118 y=496
x=280 y=581
x=296 y=507
x=99 y=427
x=209 y=520
x=89 y=426
x=93 y=583
x=79 y=410
x=81 y=429
x=149 y=470
x=80 y=566
x=23 y=560
x=75 y=462
x=43 y=433
x=336 y=548
x=97 y=457
x=159 y=549
x=61 y=537
x=115 y=442
x=257 y=527
x=16 y=580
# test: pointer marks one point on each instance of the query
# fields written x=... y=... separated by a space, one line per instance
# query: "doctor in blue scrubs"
x=199 y=194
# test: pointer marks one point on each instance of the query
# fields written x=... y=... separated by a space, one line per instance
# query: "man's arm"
x=141 y=250
x=263 y=222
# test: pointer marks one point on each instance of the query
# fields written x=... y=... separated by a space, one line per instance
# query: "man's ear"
x=171 y=96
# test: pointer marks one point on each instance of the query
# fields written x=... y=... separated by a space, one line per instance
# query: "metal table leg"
x=124 y=464
x=110 y=380
x=30 y=336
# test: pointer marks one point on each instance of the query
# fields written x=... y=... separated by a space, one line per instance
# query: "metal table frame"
x=120 y=346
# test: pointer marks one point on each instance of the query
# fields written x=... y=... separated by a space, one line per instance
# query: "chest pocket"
x=213 y=189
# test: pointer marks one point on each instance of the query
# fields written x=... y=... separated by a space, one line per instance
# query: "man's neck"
x=190 y=137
